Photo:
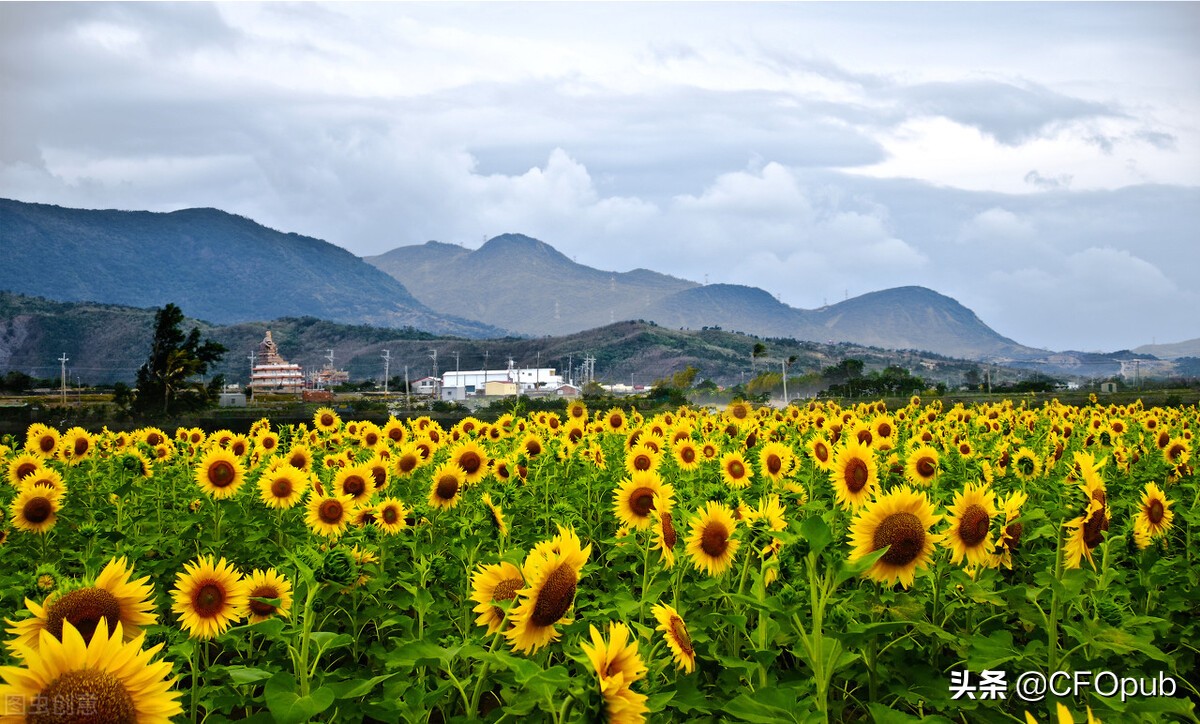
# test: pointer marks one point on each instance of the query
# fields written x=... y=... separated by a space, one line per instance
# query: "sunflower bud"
x=338 y=567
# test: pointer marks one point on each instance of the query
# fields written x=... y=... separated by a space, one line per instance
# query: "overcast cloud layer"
x=1038 y=162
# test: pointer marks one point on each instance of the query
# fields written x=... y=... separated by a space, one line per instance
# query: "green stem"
x=195 y=680
x=1052 y=624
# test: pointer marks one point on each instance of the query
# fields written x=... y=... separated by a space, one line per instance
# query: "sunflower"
x=970 y=525
x=774 y=460
x=329 y=515
x=686 y=454
x=112 y=598
x=299 y=456
x=1010 y=534
x=407 y=461
x=355 y=481
x=220 y=473
x=209 y=597
x=770 y=512
x=617 y=665
x=35 y=509
x=614 y=420
x=106 y=678
x=282 y=486
x=22 y=466
x=735 y=471
x=1085 y=533
x=820 y=452
x=854 y=474
x=270 y=585
x=551 y=575
x=665 y=536
x=642 y=458
x=898 y=520
x=47 y=479
x=921 y=467
x=491 y=584
x=1176 y=451
x=471 y=458
x=497 y=515
x=445 y=490
x=394 y=430
x=676 y=633
x=326 y=420
x=76 y=445
x=390 y=515
x=638 y=496
x=1026 y=465
x=41 y=440
x=266 y=443
x=1154 y=514
x=532 y=445
x=711 y=544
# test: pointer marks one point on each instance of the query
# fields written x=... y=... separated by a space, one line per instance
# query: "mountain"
x=523 y=284
x=526 y=285
x=107 y=343
x=214 y=265
x=1188 y=348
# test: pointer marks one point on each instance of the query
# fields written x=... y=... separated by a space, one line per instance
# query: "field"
x=817 y=563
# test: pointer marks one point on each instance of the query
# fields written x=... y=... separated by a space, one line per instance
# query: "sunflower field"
x=813 y=563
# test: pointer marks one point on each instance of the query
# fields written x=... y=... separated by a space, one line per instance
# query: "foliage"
x=165 y=382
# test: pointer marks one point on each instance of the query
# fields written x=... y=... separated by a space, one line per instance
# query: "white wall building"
x=457 y=385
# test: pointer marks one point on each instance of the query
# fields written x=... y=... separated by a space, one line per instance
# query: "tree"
x=760 y=350
x=165 y=381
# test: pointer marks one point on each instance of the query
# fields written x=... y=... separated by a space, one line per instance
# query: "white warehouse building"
x=458 y=385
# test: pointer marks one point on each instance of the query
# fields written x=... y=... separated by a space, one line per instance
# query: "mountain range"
x=227 y=269
x=216 y=266
x=529 y=287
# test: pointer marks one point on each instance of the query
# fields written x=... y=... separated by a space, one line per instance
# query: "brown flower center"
x=390 y=515
x=1093 y=529
x=281 y=487
x=926 y=467
x=209 y=599
x=354 y=485
x=25 y=469
x=774 y=464
x=1174 y=453
x=85 y=696
x=326 y=420
x=1155 y=512
x=906 y=536
x=407 y=463
x=821 y=452
x=81 y=446
x=884 y=430
x=38 y=510
x=857 y=474
x=533 y=448
x=221 y=474
x=714 y=541
x=736 y=470
x=641 y=501
x=258 y=608
x=447 y=487
x=679 y=633
x=555 y=598
x=688 y=454
x=1014 y=532
x=642 y=461
x=47 y=443
x=507 y=589
x=330 y=511
x=973 y=525
x=668 y=530
x=84 y=608
x=470 y=461
x=864 y=437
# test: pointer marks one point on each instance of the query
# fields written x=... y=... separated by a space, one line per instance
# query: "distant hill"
x=1188 y=348
x=523 y=284
x=106 y=343
x=526 y=285
x=214 y=265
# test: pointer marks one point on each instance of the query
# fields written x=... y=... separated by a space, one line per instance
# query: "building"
x=426 y=386
x=460 y=384
x=269 y=371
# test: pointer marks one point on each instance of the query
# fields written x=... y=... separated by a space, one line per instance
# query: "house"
x=426 y=386
x=273 y=372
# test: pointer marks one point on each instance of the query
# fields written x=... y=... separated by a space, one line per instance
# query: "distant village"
x=271 y=373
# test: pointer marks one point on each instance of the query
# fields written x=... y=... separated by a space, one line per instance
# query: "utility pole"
x=407 y=391
x=387 y=361
x=783 y=364
x=1137 y=366
x=252 y=357
x=486 y=352
x=570 y=369
x=436 y=380
x=64 y=361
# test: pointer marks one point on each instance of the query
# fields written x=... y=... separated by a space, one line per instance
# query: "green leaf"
x=885 y=715
x=242 y=675
x=290 y=708
x=816 y=532
x=355 y=688
x=765 y=706
x=850 y=569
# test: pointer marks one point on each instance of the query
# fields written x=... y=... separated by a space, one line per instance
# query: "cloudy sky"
x=1038 y=162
